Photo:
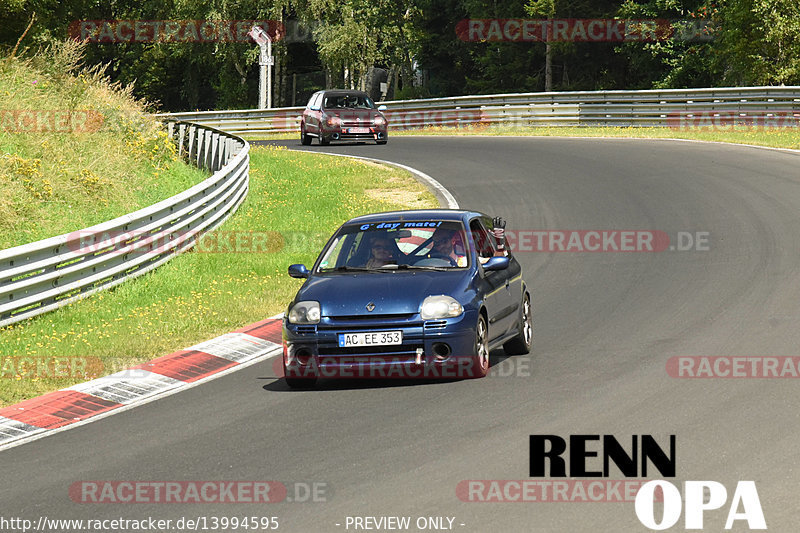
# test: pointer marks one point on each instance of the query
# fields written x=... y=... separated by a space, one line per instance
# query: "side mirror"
x=496 y=263
x=298 y=271
x=382 y=108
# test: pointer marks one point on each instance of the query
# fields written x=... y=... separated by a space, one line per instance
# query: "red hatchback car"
x=341 y=115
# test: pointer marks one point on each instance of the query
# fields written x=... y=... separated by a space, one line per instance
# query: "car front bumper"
x=344 y=133
x=430 y=348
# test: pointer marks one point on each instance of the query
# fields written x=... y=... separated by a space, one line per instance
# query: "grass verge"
x=296 y=201
x=75 y=149
x=775 y=138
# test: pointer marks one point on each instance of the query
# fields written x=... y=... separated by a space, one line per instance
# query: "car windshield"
x=348 y=101
x=397 y=245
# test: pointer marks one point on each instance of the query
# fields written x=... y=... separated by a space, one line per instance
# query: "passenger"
x=381 y=253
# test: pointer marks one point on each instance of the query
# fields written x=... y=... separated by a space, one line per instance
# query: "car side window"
x=342 y=251
x=330 y=102
x=314 y=102
x=488 y=223
x=484 y=243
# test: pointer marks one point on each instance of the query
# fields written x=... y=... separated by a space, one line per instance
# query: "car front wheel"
x=521 y=344
x=301 y=383
x=479 y=362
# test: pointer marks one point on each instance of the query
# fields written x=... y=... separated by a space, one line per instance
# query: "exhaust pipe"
x=381 y=135
x=335 y=136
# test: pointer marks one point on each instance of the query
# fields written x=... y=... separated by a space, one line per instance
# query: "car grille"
x=435 y=324
x=371 y=318
x=369 y=354
x=346 y=136
x=369 y=322
x=368 y=350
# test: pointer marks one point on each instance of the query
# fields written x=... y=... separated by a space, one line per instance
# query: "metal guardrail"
x=580 y=108
x=47 y=274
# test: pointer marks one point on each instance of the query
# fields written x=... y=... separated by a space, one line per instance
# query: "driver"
x=444 y=241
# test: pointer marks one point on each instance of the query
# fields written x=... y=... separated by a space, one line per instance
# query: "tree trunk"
x=390 y=82
x=548 y=67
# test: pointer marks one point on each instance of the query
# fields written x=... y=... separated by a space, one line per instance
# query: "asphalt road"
x=605 y=326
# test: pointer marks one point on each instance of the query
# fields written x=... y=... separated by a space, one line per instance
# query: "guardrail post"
x=215 y=148
x=181 y=136
x=192 y=133
x=207 y=150
x=201 y=144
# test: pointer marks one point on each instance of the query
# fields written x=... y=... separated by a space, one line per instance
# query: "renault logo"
x=371 y=307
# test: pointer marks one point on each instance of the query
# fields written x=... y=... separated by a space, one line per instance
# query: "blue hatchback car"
x=408 y=294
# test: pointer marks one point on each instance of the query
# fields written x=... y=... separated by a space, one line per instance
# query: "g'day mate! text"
x=592 y=455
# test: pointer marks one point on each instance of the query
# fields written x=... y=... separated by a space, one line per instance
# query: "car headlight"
x=379 y=121
x=440 y=307
x=304 y=313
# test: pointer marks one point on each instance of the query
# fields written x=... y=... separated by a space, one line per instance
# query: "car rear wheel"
x=480 y=358
x=305 y=139
x=323 y=140
x=521 y=344
x=381 y=142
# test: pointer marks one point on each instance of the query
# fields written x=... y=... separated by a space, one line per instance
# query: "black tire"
x=301 y=383
x=381 y=142
x=305 y=139
x=521 y=344
x=324 y=141
x=479 y=362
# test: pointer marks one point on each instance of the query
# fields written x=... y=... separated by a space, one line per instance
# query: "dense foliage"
x=414 y=46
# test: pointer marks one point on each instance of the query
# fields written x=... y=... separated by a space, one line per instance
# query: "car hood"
x=390 y=292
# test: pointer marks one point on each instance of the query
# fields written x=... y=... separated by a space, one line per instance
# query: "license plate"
x=358 y=130
x=374 y=338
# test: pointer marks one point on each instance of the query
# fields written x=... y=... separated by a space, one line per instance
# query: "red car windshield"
x=348 y=101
